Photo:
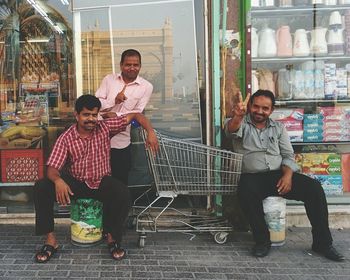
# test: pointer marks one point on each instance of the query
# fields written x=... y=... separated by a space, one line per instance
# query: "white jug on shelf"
x=254 y=42
x=335 y=19
x=335 y=36
x=301 y=44
x=269 y=3
x=330 y=2
x=284 y=41
x=255 y=3
x=318 y=43
x=335 y=42
x=267 y=43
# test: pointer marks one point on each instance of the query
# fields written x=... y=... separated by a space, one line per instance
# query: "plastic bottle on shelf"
x=284 y=84
x=298 y=84
x=319 y=79
x=309 y=79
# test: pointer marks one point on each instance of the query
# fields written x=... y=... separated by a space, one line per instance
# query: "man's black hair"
x=263 y=92
x=130 y=52
x=87 y=101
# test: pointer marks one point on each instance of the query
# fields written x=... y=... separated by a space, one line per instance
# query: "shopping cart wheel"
x=220 y=237
x=142 y=241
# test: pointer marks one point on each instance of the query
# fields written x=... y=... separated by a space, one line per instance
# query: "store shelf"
x=320 y=143
x=289 y=60
x=334 y=199
x=308 y=101
x=17 y=184
x=290 y=11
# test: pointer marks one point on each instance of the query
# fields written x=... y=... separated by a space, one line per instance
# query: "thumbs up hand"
x=121 y=96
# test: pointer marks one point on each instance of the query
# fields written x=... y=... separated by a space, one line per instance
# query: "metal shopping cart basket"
x=183 y=167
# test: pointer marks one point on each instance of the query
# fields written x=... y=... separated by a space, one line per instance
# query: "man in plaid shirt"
x=84 y=149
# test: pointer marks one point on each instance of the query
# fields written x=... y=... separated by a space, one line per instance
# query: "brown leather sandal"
x=47 y=251
x=114 y=248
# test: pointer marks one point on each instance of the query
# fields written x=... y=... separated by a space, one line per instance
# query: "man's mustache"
x=92 y=122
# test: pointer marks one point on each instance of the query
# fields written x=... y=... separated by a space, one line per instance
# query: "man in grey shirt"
x=269 y=169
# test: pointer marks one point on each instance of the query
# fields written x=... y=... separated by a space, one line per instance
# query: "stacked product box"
x=347 y=67
x=342 y=85
x=293 y=122
x=330 y=81
x=313 y=128
x=324 y=167
x=336 y=123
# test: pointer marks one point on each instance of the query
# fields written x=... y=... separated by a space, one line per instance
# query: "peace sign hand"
x=241 y=107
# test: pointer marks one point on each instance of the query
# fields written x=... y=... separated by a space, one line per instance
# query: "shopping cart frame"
x=182 y=167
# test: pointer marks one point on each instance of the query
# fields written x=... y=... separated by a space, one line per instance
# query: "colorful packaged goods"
x=293 y=122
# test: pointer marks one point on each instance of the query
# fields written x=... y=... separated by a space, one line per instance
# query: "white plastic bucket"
x=275 y=217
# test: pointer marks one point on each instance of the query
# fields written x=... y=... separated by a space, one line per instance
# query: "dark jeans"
x=254 y=187
x=121 y=163
x=112 y=193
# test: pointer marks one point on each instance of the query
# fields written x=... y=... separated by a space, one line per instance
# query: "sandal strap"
x=46 y=248
x=47 y=251
x=113 y=246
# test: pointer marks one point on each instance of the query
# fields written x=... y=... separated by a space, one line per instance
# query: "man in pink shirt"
x=123 y=93
x=84 y=149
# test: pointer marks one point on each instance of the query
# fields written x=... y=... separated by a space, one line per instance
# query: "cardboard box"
x=321 y=163
x=295 y=135
x=331 y=184
x=21 y=143
x=311 y=118
x=292 y=120
x=313 y=137
x=288 y=115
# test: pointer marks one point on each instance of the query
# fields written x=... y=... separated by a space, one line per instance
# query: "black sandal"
x=113 y=248
x=46 y=250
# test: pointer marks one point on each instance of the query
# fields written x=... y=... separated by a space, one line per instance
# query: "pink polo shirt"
x=138 y=94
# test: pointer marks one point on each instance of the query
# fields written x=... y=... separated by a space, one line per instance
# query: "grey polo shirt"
x=263 y=149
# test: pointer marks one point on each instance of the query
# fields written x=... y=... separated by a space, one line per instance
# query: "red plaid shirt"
x=88 y=159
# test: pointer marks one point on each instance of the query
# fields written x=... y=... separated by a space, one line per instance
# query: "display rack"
x=309 y=17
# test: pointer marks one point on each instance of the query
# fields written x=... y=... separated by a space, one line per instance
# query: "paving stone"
x=169 y=256
x=145 y=274
x=83 y=274
x=20 y=273
x=198 y=275
x=178 y=275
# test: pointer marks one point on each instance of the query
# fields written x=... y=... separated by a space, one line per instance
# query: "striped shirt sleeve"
x=116 y=124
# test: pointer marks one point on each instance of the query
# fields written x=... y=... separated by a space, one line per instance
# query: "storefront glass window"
x=55 y=50
x=36 y=88
x=165 y=34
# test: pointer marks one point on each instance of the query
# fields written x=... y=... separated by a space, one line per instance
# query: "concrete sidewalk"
x=171 y=256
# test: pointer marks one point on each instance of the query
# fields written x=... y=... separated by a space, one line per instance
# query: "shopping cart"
x=187 y=168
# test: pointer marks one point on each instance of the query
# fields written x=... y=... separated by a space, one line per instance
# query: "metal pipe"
x=207 y=84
